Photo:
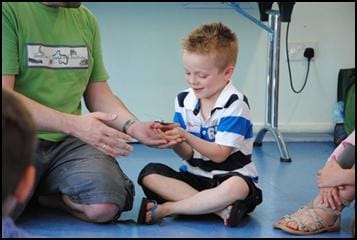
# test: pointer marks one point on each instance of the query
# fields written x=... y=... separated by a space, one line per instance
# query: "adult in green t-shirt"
x=51 y=58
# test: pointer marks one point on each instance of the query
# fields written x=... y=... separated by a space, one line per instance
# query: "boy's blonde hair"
x=214 y=39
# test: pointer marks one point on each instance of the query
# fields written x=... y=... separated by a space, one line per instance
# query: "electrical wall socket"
x=296 y=50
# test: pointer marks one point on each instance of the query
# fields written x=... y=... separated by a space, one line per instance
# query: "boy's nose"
x=192 y=80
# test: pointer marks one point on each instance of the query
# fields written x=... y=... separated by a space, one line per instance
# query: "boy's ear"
x=25 y=184
x=229 y=72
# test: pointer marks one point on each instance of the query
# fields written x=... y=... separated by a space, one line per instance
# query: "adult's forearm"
x=99 y=98
x=47 y=119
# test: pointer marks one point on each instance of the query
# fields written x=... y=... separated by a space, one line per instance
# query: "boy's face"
x=203 y=75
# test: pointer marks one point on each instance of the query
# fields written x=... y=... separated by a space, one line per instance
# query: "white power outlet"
x=296 y=50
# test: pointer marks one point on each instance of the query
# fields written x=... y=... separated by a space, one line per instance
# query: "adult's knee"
x=101 y=213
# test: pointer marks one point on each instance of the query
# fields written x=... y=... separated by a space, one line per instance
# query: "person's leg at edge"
x=345 y=157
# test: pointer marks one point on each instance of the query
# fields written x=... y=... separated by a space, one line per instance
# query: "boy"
x=18 y=171
x=214 y=138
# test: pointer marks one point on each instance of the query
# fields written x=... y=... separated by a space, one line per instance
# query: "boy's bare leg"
x=168 y=188
x=183 y=199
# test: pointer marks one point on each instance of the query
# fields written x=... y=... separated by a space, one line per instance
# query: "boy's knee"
x=149 y=170
x=236 y=186
x=146 y=180
x=101 y=213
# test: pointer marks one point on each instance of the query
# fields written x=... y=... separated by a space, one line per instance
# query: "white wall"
x=142 y=51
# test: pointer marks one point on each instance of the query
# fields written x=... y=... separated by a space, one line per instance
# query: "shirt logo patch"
x=59 y=57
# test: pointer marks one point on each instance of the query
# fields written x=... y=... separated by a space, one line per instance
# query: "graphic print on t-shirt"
x=47 y=56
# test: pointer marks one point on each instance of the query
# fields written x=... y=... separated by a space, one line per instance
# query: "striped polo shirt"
x=229 y=124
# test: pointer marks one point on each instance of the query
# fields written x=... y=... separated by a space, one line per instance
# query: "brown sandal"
x=317 y=226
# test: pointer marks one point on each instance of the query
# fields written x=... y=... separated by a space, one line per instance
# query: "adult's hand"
x=92 y=129
x=148 y=134
x=145 y=133
x=330 y=197
x=331 y=175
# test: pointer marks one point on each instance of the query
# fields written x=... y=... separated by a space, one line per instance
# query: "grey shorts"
x=85 y=174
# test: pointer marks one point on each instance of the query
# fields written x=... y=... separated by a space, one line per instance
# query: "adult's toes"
x=292 y=225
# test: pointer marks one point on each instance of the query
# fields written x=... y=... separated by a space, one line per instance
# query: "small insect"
x=164 y=123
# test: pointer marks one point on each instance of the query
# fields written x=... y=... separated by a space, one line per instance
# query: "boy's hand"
x=172 y=132
x=164 y=126
x=176 y=133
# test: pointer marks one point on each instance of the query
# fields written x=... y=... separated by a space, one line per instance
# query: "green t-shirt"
x=54 y=54
x=349 y=120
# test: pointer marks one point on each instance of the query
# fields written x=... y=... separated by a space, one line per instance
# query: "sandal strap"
x=330 y=211
x=302 y=225
x=318 y=222
x=287 y=217
x=154 y=218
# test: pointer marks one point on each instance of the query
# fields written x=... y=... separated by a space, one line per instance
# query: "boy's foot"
x=147 y=214
x=233 y=214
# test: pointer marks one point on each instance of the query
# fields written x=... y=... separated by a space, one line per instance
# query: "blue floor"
x=286 y=187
